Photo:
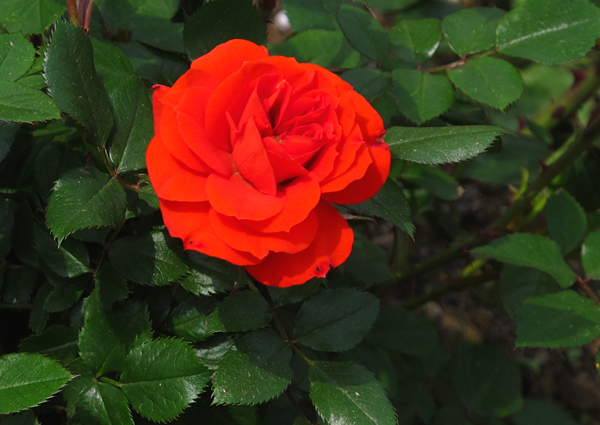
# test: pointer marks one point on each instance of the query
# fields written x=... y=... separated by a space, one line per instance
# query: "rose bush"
x=249 y=152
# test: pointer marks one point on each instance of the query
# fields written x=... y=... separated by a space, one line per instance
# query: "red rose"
x=249 y=153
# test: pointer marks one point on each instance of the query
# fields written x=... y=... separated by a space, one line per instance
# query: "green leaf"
x=525 y=249
x=23 y=418
x=150 y=258
x=386 y=5
x=256 y=371
x=590 y=255
x=8 y=130
x=16 y=56
x=293 y=294
x=564 y=319
x=519 y=283
x=38 y=316
x=440 y=145
x=27 y=380
x=415 y=40
x=132 y=106
x=107 y=337
x=329 y=49
x=190 y=319
x=74 y=83
x=69 y=260
x=311 y=14
x=472 y=30
x=65 y=292
x=110 y=286
x=335 y=319
x=97 y=402
x=18 y=284
x=487 y=381
x=542 y=412
x=368 y=263
x=346 y=393
x=390 y=204
x=368 y=82
x=566 y=220
x=504 y=167
x=549 y=31
x=85 y=198
x=421 y=96
x=212 y=351
x=209 y=275
x=23 y=104
x=57 y=341
x=363 y=32
x=403 y=331
x=32 y=17
x=242 y=311
x=154 y=65
x=162 y=377
x=492 y=81
x=205 y=30
x=432 y=179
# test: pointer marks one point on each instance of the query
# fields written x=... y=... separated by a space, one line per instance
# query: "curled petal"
x=234 y=196
x=302 y=196
x=356 y=171
x=190 y=222
x=242 y=238
x=330 y=248
x=171 y=179
x=369 y=185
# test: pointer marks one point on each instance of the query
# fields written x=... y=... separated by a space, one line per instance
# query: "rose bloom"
x=249 y=153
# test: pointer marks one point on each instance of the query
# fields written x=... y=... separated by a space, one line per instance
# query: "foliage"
x=109 y=321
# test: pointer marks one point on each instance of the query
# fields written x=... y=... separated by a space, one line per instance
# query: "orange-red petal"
x=189 y=221
x=330 y=248
x=234 y=196
x=242 y=238
x=170 y=178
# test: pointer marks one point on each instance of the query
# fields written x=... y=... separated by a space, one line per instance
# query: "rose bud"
x=249 y=153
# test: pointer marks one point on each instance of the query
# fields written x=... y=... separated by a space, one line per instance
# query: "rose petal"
x=228 y=57
x=302 y=195
x=242 y=238
x=356 y=171
x=369 y=185
x=330 y=248
x=170 y=178
x=251 y=159
x=157 y=95
x=367 y=118
x=234 y=196
x=284 y=167
x=189 y=221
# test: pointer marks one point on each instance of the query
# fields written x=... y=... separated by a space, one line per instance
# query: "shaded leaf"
x=487 y=382
x=335 y=319
x=256 y=371
x=107 y=337
x=154 y=65
x=311 y=14
x=150 y=258
x=563 y=319
x=57 y=341
x=190 y=319
x=367 y=262
x=69 y=260
x=368 y=82
x=432 y=179
x=363 y=32
x=542 y=412
x=390 y=204
x=242 y=311
x=209 y=275
x=110 y=286
x=525 y=249
x=205 y=29
x=566 y=220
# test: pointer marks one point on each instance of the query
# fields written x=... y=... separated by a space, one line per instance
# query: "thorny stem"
x=109 y=381
x=459 y=63
x=589 y=292
x=516 y=208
